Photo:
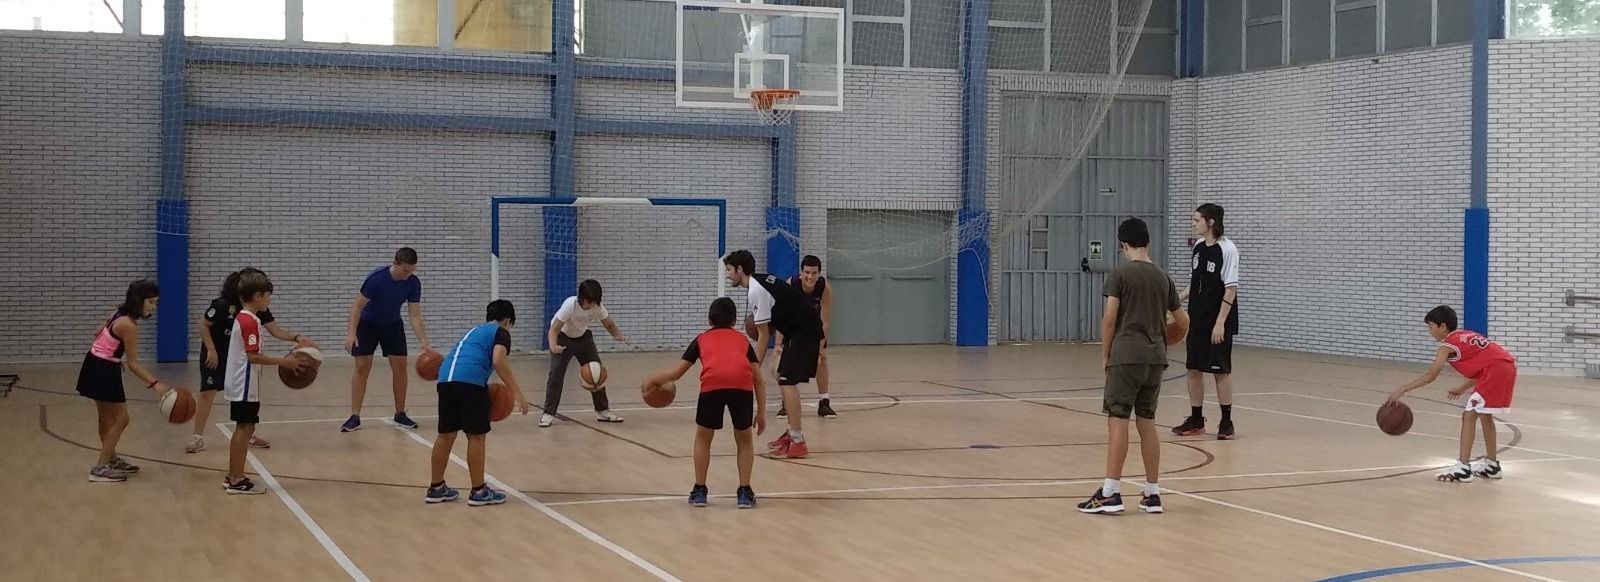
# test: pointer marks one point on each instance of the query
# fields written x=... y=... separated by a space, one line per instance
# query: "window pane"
x=1264 y=45
x=65 y=15
x=1156 y=54
x=1409 y=25
x=1554 y=17
x=629 y=29
x=1022 y=10
x=1263 y=8
x=1455 y=21
x=879 y=7
x=935 y=34
x=1309 y=26
x=519 y=26
x=1163 y=14
x=258 y=19
x=1016 y=48
x=1357 y=32
x=385 y=22
x=1223 y=22
x=878 y=43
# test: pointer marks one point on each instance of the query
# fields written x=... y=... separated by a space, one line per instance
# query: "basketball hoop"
x=773 y=104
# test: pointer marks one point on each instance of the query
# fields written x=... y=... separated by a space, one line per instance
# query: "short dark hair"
x=405 y=256
x=501 y=309
x=811 y=261
x=742 y=260
x=252 y=285
x=1213 y=213
x=138 y=292
x=1443 y=315
x=1134 y=233
x=230 y=285
x=723 y=312
x=589 y=290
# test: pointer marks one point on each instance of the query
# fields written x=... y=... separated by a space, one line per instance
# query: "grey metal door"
x=890 y=274
x=1050 y=224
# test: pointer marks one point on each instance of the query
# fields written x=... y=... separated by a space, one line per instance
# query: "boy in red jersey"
x=730 y=378
x=1491 y=374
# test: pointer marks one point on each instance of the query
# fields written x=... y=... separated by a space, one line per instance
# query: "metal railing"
x=1573 y=298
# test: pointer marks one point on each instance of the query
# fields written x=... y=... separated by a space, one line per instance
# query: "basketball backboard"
x=728 y=49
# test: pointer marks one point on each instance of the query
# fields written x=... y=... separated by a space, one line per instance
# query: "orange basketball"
x=1175 y=331
x=428 y=365
x=1394 y=418
x=500 y=402
x=178 y=405
x=307 y=374
x=594 y=376
x=660 y=395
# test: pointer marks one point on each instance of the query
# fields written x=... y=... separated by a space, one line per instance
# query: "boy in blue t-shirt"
x=374 y=321
x=464 y=401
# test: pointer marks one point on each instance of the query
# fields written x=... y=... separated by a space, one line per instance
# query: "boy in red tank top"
x=730 y=378
x=1491 y=374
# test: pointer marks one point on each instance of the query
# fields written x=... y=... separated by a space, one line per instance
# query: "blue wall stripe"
x=599 y=71
x=560 y=262
x=529 y=65
x=365 y=119
x=1395 y=571
x=172 y=212
x=972 y=262
x=1487 y=22
x=1191 y=38
x=726 y=130
x=561 y=223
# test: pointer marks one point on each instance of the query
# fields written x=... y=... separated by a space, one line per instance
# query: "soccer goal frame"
x=713 y=264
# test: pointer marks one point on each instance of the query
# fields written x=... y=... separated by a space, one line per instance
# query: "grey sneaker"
x=196 y=444
x=607 y=416
x=123 y=465
x=106 y=474
x=546 y=420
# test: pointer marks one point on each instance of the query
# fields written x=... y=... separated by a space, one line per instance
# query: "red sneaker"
x=782 y=441
x=792 y=450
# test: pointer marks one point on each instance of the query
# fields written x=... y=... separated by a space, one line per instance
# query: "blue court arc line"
x=1383 y=572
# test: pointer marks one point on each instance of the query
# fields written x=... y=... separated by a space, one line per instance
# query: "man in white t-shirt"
x=569 y=337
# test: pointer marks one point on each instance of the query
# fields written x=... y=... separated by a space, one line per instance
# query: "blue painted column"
x=172 y=209
x=783 y=217
x=1191 y=38
x=972 y=260
x=1488 y=22
x=561 y=222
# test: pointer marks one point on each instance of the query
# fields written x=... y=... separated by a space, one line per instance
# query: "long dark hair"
x=138 y=292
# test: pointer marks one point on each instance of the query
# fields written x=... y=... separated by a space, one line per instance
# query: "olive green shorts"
x=1133 y=388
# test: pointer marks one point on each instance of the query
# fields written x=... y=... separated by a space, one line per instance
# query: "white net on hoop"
x=772 y=106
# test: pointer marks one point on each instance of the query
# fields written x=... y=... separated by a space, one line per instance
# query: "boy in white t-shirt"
x=569 y=337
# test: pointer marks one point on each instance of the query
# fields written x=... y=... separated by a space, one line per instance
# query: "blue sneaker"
x=486 y=496
x=352 y=425
x=441 y=494
x=697 y=496
x=747 y=497
x=401 y=419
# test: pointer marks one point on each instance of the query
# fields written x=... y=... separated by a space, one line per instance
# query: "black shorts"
x=463 y=407
x=740 y=402
x=1133 y=388
x=245 y=412
x=798 y=364
x=101 y=380
x=1207 y=357
x=390 y=335
x=210 y=378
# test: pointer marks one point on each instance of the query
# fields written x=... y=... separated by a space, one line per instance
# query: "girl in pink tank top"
x=116 y=345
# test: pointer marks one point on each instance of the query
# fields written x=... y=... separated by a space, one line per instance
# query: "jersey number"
x=1479 y=342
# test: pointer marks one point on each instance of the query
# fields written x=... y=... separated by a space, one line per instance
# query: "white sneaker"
x=546 y=420
x=197 y=443
x=607 y=416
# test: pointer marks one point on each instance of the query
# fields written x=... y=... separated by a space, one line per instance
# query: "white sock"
x=1111 y=487
x=823 y=396
x=1152 y=489
x=795 y=436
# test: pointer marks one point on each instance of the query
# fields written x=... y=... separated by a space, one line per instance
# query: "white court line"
x=1358 y=536
x=1036 y=483
x=812 y=404
x=299 y=512
x=553 y=514
x=1433 y=413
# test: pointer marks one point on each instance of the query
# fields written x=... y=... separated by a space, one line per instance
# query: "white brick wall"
x=1544 y=163
x=1344 y=185
x=79 y=177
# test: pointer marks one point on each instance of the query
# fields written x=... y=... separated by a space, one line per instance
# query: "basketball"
x=428 y=365
x=1394 y=418
x=660 y=395
x=178 y=405
x=594 y=376
x=500 y=402
x=307 y=374
x=750 y=327
x=1175 y=332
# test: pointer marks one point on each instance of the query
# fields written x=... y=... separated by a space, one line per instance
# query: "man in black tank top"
x=814 y=286
x=777 y=306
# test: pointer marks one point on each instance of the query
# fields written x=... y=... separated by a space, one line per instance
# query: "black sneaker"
x=825 y=411
x=1192 y=426
x=1151 y=504
x=1486 y=468
x=1098 y=503
x=697 y=496
x=1225 y=431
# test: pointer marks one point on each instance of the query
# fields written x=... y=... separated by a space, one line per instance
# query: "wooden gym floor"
x=945 y=464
